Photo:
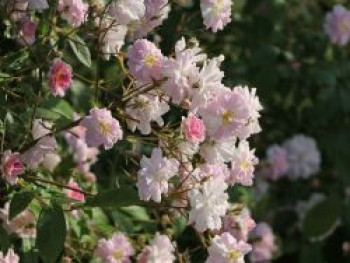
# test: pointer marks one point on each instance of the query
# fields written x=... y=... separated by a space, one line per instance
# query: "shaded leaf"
x=81 y=50
x=19 y=203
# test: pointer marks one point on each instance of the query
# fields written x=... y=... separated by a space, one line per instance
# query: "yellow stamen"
x=234 y=254
x=227 y=117
x=150 y=60
x=105 y=128
x=245 y=165
x=118 y=254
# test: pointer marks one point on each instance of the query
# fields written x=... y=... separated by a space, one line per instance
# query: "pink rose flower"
x=74 y=194
x=337 y=25
x=60 y=77
x=73 y=11
x=278 y=159
x=115 y=250
x=216 y=13
x=11 y=166
x=11 y=257
x=101 y=128
x=193 y=129
x=145 y=61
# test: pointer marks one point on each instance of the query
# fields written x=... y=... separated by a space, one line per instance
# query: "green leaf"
x=137 y=213
x=80 y=49
x=5 y=241
x=120 y=197
x=55 y=109
x=322 y=219
x=51 y=233
x=19 y=202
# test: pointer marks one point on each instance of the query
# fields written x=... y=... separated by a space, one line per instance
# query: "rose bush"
x=131 y=131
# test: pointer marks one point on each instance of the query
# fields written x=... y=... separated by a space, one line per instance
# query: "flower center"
x=227 y=117
x=150 y=60
x=245 y=165
x=118 y=254
x=104 y=127
x=234 y=254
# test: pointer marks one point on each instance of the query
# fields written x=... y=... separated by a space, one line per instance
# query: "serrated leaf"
x=120 y=197
x=51 y=233
x=321 y=220
x=20 y=202
x=80 y=49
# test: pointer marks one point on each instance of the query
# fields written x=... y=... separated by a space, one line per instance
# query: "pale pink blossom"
x=242 y=165
x=153 y=177
x=26 y=34
x=60 y=77
x=101 y=128
x=76 y=195
x=73 y=11
x=216 y=13
x=111 y=36
x=303 y=155
x=117 y=249
x=227 y=249
x=161 y=250
x=193 y=129
x=11 y=257
x=145 y=109
x=207 y=170
x=209 y=203
x=182 y=72
x=238 y=222
x=45 y=144
x=263 y=243
x=252 y=125
x=277 y=159
x=337 y=25
x=11 y=166
x=126 y=11
x=218 y=151
x=225 y=115
x=23 y=225
x=156 y=12
x=145 y=61
x=209 y=84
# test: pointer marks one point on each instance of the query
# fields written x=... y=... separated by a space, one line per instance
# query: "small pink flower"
x=216 y=13
x=74 y=194
x=73 y=11
x=161 y=250
x=11 y=166
x=337 y=25
x=60 y=77
x=145 y=61
x=26 y=35
x=101 y=128
x=278 y=159
x=115 y=250
x=193 y=129
x=264 y=243
x=226 y=248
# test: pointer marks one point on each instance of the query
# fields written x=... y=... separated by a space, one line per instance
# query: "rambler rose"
x=76 y=195
x=73 y=11
x=193 y=129
x=11 y=166
x=60 y=77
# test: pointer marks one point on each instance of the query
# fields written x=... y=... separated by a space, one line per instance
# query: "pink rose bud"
x=60 y=77
x=193 y=129
x=11 y=166
x=76 y=195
